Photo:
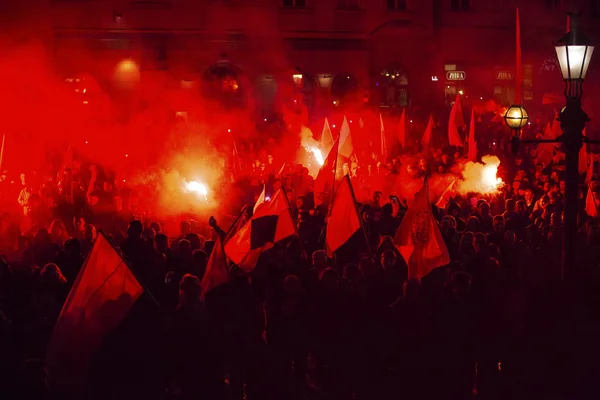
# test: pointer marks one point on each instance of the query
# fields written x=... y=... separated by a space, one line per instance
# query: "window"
x=348 y=4
x=396 y=4
x=553 y=4
x=294 y=3
x=457 y=5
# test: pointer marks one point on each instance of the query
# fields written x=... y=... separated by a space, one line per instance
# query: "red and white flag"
x=103 y=293
x=343 y=221
x=419 y=239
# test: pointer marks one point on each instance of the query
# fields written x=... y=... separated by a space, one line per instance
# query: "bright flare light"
x=489 y=178
x=199 y=188
x=318 y=155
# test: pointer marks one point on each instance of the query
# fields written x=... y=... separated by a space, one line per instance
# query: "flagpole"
x=294 y=222
x=2 y=150
x=359 y=216
x=228 y=233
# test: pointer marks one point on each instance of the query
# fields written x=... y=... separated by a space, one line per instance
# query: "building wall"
x=185 y=37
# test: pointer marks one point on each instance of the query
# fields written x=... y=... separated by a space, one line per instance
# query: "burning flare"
x=318 y=155
x=199 y=188
x=482 y=177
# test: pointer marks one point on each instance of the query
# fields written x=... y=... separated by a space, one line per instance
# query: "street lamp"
x=574 y=51
x=516 y=118
x=297 y=76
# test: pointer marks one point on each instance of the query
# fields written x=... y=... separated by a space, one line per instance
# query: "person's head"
x=461 y=283
x=189 y=291
x=57 y=229
x=135 y=229
x=89 y=233
x=195 y=240
x=329 y=278
x=377 y=199
x=521 y=207
x=499 y=223
x=555 y=220
x=79 y=223
x=300 y=202
x=162 y=242
x=291 y=285
x=51 y=276
x=473 y=224
x=516 y=185
x=510 y=205
x=73 y=247
x=184 y=248
x=484 y=208
x=319 y=260
x=479 y=242
x=509 y=238
x=367 y=267
x=185 y=227
x=352 y=273
x=561 y=186
x=156 y=226
x=388 y=260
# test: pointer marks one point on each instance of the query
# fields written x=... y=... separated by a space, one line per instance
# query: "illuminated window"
x=348 y=4
x=396 y=4
x=294 y=3
x=457 y=5
x=393 y=85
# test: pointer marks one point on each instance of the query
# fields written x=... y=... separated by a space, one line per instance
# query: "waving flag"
x=384 y=150
x=103 y=294
x=326 y=137
x=326 y=176
x=271 y=223
x=445 y=197
x=428 y=133
x=419 y=239
x=454 y=122
x=343 y=219
x=217 y=270
x=402 y=129
x=472 y=156
x=590 y=204
x=346 y=145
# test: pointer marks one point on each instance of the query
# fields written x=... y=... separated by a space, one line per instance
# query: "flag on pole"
x=261 y=198
x=556 y=129
x=472 y=155
x=426 y=139
x=326 y=137
x=419 y=239
x=103 y=293
x=445 y=197
x=343 y=221
x=459 y=117
x=583 y=159
x=590 y=204
x=402 y=129
x=453 y=136
x=519 y=62
x=384 y=150
x=271 y=223
x=217 y=270
x=590 y=170
x=325 y=178
x=346 y=145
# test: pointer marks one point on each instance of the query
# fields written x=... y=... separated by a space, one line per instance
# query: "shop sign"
x=504 y=76
x=456 y=75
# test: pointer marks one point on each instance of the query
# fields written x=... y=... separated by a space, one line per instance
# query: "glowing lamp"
x=516 y=117
x=297 y=77
x=574 y=52
x=461 y=92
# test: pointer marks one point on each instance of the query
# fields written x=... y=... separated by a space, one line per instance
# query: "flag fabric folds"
x=472 y=155
x=346 y=145
x=445 y=197
x=343 y=219
x=419 y=239
x=455 y=121
x=326 y=137
x=261 y=198
x=271 y=223
x=103 y=293
x=217 y=270
x=325 y=178
x=590 y=204
x=583 y=159
x=402 y=129
x=426 y=139
x=384 y=150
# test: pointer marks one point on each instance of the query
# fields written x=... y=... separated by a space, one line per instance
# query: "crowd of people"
x=497 y=322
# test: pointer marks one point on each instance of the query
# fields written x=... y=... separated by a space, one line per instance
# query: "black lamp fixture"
x=516 y=118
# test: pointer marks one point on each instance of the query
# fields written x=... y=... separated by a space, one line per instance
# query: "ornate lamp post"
x=574 y=51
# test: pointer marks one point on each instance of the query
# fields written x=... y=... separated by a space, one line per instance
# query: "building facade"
x=381 y=53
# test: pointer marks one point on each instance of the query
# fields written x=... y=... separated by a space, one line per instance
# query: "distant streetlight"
x=297 y=76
